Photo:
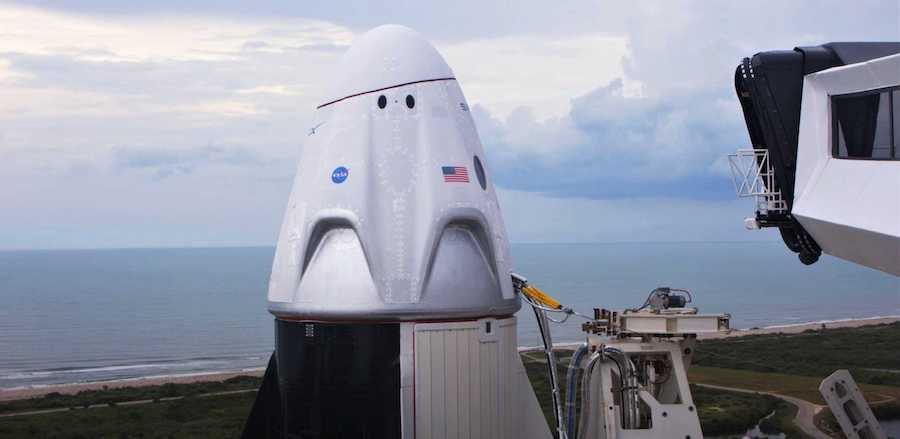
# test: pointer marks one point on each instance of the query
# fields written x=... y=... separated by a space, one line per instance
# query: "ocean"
x=88 y=315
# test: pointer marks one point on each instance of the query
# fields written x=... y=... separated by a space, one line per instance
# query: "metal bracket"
x=753 y=176
x=849 y=406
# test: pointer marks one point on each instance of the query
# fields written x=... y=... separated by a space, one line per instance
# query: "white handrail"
x=753 y=176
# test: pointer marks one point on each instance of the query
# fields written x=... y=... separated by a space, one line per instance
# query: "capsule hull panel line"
x=391 y=278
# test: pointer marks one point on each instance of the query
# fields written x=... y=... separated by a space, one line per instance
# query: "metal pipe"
x=571 y=387
x=628 y=386
x=617 y=357
x=585 y=417
x=543 y=326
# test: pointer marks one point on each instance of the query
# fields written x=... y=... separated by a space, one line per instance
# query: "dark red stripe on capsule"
x=385 y=88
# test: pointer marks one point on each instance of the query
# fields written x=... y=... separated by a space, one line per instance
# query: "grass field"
x=869 y=352
x=192 y=417
x=106 y=396
x=802 y=387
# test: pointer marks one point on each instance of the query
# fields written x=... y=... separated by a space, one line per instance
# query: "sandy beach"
x=69 y=389
x=801 y=327
x=32 y=392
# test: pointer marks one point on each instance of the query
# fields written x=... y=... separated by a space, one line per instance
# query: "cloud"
x=534 y=217
x=158 y=36
x=679 y=47
x=178 y=123
x=168 y=162
x=664 y=126
x=458 y=20
x=613 y=146
x=144 y=64
x=540 y=72
x=91 y=88
x=275 y=89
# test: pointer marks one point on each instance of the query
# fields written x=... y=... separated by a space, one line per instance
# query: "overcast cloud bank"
x=178 y=123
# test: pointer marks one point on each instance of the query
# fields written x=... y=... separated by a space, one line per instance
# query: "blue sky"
x=178 y=123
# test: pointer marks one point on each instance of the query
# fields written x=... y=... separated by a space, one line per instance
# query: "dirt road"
x=806 y=411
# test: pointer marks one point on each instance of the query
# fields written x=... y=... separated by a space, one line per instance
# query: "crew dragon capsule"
x=391 y=284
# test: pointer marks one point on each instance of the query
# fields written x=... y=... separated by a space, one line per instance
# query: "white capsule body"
x=392 y=215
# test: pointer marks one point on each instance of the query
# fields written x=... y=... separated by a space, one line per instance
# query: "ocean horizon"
x=84 y=315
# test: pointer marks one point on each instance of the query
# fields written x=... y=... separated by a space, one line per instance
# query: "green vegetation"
x=795 y=364
x=782 y=421
x=890 y=410
x=192 y=417
x=723 y=413
x=827 y=422
x=865 y=351
x=791 y=385
x=107 y=396
x=536 y=367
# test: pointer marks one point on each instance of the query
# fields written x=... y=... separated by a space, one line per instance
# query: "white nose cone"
x=392 y=215
x=387 y=56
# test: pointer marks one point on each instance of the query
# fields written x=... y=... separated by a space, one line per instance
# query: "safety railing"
x=753 y=177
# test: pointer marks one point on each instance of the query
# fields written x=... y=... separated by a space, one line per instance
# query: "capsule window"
x=382 y=101
x=410 y=101
x=479 y=172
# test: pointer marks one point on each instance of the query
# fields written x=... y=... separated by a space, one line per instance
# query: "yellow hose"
x=540 y=297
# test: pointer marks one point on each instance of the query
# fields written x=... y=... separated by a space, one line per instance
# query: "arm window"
x=864 y=125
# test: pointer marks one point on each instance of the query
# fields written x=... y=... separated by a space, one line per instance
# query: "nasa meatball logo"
x=339 y=175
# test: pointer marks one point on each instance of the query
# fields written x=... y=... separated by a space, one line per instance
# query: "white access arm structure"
x=824 y=168
x=850 y=206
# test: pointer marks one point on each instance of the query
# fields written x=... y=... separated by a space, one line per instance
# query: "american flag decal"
x=455 y=174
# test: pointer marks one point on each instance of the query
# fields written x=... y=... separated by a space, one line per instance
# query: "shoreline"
x=796 y=328
x=27 y=392
x=790 y=328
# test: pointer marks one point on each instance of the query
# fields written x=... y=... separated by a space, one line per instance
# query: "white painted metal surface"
x=849 y=407
x=470 y=383
x=386 y=56
x=651 y=323
x=635 y=382
x=753 y=177
x=376 y=228
x=672 y=410
x=850 y=207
